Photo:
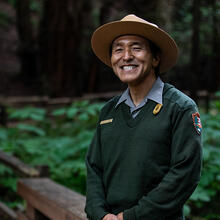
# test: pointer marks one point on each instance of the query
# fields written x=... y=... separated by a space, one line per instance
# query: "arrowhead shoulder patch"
x=197 y=122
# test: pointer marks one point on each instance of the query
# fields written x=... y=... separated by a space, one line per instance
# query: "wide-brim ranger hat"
x=103 y=37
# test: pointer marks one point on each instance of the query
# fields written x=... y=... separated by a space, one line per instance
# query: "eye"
x=117 y=50
x=136 y=48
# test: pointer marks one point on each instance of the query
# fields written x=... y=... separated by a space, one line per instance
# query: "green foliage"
x=36 y=6
x=182 y=29
x=58 y=138
x=12 y=2
x=5 y=19
x=207 y=192
x=37 y=114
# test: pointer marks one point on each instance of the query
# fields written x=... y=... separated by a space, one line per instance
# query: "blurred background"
x=53 y=86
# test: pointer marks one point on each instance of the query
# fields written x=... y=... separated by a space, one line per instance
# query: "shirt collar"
x=154 y=94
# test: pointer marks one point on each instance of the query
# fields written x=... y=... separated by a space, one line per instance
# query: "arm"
x=182 y=177
x=96 y=206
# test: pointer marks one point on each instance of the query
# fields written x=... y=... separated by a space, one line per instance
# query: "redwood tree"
x=215 y=48
x=27 y=44
x=195 y=52
x=59 y=41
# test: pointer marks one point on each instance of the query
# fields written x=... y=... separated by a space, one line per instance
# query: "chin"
x=126 y=79
x=129 y=81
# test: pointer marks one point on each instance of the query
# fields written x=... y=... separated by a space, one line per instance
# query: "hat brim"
x=103 y=37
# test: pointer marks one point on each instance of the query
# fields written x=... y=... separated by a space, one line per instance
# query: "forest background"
x=45 y=52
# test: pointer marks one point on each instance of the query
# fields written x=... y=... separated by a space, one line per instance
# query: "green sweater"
x=148 y=166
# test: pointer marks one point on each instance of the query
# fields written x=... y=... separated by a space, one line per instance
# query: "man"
x=145 y=158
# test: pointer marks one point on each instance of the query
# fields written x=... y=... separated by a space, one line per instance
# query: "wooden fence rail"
x=17 y=101
x=7 y=212
x=48 y=200
x=45 y=199
x=18 y=166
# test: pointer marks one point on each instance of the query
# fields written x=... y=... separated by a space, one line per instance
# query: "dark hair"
x=155 y=50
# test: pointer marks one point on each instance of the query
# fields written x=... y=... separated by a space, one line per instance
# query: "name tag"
x=106 y=121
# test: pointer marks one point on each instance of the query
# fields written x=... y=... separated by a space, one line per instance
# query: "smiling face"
x=132 y=60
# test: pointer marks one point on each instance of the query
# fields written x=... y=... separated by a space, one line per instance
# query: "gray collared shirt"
x=154 y=94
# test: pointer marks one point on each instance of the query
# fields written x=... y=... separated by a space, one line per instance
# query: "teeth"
x=127 y=68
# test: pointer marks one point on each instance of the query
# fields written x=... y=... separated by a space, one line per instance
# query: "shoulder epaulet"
x=111 y=103
x=174 y=95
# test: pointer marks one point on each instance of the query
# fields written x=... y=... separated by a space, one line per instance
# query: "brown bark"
x=60 y=39
x=164 y=14
x=27 y=52
x=195 y=52
x=215 y=48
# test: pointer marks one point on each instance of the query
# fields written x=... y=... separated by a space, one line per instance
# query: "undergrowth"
x=60 y=138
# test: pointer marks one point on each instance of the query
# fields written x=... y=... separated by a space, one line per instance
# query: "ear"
x=156 y=61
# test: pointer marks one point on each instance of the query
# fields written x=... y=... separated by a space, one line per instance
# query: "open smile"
x=128 y=67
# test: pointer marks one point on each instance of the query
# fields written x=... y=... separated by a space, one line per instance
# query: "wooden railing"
x=18 y=166
x=47 y=101
x=49 y=200
x=44 y=198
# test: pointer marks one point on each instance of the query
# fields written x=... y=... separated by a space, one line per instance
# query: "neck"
x=138 y=92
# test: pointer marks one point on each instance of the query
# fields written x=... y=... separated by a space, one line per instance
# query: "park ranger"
x=144 y=161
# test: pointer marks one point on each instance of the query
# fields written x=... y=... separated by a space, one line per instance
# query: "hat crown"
x=134 y=18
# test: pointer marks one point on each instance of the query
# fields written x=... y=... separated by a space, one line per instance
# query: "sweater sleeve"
x=181 y=179
x=96 y=206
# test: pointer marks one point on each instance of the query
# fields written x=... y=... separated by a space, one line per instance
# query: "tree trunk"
x=164 y=14
x=215 y=49
x=27 y=51
x=60 y=39
x=195 y=53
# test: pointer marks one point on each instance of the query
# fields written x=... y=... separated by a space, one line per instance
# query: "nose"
x=127 y=55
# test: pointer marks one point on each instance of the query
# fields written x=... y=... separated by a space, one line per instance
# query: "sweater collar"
x=154 y=94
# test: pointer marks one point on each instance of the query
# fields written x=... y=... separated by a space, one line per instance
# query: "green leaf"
x=71 y=112
x=3 y=134
x=32 y=129
x=186 y=210
x=10 y=182
x=83 y=117
x=200 y=194
x=37 y=114
x=59 y=112
x=81 y=104
x=4 y=170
